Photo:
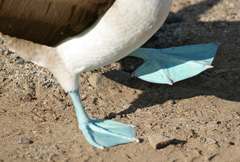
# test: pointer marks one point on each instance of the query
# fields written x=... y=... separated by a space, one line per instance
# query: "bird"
x=69 y=37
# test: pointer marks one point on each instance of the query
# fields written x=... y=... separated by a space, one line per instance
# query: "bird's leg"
x=101 y=133
x=82 y=116
x=169 y=65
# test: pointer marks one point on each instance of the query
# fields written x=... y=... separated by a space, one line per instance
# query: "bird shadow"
x=181 y=28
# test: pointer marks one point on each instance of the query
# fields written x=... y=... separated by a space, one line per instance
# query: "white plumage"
x=125 y=26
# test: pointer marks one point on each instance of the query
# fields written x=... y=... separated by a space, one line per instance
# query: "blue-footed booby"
x=69 y=37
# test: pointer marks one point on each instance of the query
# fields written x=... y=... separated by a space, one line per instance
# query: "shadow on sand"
x=182 y=28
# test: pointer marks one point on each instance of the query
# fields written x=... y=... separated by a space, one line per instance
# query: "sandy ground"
x=38 y=123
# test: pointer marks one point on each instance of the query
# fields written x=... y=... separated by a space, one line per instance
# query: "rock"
x=3 y=111
x=158 y=141
x=19 y=60
x=83 y=97
x=210 y=141
x=25 y=140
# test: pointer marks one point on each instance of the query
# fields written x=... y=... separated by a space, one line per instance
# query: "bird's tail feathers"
x=29 y=51
x=43 y=56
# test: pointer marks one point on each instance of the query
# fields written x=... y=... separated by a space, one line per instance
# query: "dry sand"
x=37 y=121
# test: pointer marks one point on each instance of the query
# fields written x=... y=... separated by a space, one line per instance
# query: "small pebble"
x=210 y=141
x=20 y=61
x=84 y=97
x=3 y=111
x=158 y=141
x=25 y=140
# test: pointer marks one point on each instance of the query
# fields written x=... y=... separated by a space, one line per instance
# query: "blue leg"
x=101 y=133
x=167 y=66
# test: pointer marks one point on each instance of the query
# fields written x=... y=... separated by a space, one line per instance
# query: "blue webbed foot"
x=107 y=133
x=102 y=133
x=167 y=66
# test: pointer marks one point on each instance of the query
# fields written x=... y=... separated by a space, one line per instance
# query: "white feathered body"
x=127 y=25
